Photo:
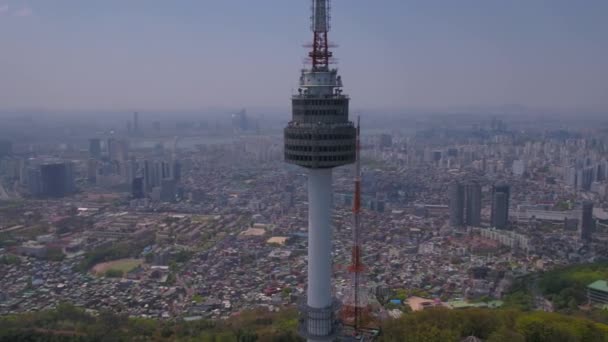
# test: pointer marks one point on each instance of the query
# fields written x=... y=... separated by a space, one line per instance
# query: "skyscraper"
x=600 y=172
x=137 y=187
x=465 y=204
x=456 y=194
x=500 y=206
x=166 y=170
x=585 y=178
x=135 y=123
x=240 y=122
x=177 y=170
x=112 y=149
x=70 y=185
x=473 y=204
x=319 y=137
x=92 y=166
x=587 y=225
x=122 y=151
x=57 y=179
x=131 y=170
x=168 y=190
x=148 y=175
x=95 y=148
x=6 y=148
x=157 y=173
x=34 y=181
x=385 y=141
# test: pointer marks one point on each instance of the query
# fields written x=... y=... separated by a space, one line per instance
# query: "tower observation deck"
x=319 y=137
x=320 y=134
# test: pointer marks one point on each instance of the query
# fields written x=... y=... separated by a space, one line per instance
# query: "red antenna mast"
x=320 y=54
x=357 y=267
x=356 y=303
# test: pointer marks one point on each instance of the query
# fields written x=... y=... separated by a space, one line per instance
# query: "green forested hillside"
x=493 y=325
x=67 y=323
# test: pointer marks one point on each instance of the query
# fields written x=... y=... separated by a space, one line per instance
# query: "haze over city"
x=303 y=170
x=186 y=55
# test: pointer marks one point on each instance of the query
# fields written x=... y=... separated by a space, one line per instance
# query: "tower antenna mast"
x=357 y=267
x=320 y=26
x=356 y=301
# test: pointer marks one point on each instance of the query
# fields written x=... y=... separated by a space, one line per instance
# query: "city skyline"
x=156 y=56
x=162 y=192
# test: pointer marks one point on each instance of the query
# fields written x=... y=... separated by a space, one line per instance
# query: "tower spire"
x=320 y=53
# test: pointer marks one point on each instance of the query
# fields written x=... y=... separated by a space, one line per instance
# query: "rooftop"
x=254 y=232
x=599 y=285
x=278 y=240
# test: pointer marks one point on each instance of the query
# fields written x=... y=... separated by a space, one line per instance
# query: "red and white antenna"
x=320 y=26
x=356 y=303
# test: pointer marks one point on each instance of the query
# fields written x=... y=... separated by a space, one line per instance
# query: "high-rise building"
x=500 y=206
x=319 y=137
x=135 y=123
x=11 y=167
x=587 y=224
x=472 y=204
x=130 y=170
x=385 y=141
x=112 y=149
x=146 y=171
x=122 y=152
x=465 y=204
x=177 y=170
x=6 y=148
x=157 y=172
x=453 y=152
x=56 y=179
x=519 y=167
x=456 y=194
x=34 y=181
x=166 y=170
x=240 y=122
x=168 y=190
x=437 y=156
x=95 y=148
x=92 y=166
x=137 y=187
x=70 y=177
x=570 y=175
x=584 y=178
x=600 y=172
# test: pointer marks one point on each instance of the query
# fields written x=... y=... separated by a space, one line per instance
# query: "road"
x=540 y=302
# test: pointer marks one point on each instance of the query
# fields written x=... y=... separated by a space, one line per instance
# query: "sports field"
x=124 y=265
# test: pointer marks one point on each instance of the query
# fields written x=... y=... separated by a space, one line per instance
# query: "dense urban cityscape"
x=468 y=223
x=454 y=214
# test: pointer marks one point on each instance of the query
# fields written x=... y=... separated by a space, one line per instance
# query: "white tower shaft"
x=319 y=238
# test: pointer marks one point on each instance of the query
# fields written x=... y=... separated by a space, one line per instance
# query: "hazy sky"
x=188 y=54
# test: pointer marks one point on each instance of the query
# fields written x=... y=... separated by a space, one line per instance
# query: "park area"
x=116 y=268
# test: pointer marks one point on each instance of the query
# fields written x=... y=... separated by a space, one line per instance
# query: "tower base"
x=319 y=324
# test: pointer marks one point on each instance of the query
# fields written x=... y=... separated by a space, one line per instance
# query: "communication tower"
x=320 y=137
